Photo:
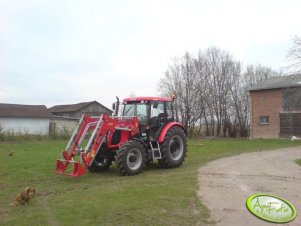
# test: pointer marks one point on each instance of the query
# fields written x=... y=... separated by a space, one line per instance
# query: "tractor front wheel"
x=130 y=158
x=100 y=163
x=173 y=148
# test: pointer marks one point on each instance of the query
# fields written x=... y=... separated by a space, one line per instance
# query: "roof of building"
x=73 y=107
x=24 y=111
x=278 y=83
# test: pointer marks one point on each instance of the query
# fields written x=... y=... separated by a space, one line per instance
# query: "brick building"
x=276 y=107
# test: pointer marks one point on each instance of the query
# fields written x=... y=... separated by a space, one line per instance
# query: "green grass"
x=298 y=161
x=154 y=197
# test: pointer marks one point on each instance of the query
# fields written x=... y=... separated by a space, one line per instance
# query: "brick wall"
x=266 y=103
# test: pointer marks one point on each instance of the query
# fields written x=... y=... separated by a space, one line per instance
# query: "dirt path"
x=225 y=184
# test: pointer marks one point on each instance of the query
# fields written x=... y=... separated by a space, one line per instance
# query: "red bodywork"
x=166 y=128
x=135 y=99
x=102 y=127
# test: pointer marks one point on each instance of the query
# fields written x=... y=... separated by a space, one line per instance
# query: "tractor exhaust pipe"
x=115 y=107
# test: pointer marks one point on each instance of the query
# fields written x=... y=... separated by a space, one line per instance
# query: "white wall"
x=62 y=126
x=26 y=125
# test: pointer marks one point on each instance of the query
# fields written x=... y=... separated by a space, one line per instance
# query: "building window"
x=264 y=120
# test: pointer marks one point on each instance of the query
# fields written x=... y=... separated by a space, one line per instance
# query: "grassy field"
x=154 y=197
x=298 y=161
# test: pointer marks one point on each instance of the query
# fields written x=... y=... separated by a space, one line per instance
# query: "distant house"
x=24 y=119
x=276 y=107
x=65 y=117
x=92 y=108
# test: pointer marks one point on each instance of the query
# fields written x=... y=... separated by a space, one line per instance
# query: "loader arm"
x=129 y=126
x=102 y=129
x=86 y=125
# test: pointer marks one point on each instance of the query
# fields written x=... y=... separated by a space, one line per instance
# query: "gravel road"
x=225 y=184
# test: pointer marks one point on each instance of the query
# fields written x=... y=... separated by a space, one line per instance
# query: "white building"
x=66 y=117
x=24 y=119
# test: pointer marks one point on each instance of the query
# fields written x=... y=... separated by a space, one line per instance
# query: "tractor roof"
x=134 y=99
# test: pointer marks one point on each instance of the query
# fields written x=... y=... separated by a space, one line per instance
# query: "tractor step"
x=155 y=148
x=77 y=169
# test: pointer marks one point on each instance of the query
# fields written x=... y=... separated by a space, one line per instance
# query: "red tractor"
x=145 y=131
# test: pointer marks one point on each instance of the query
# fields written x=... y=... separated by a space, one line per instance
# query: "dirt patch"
x=225 y=184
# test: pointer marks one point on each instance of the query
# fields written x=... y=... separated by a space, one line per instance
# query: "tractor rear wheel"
x=173 y=148
x=130 y=158
x=100 y=163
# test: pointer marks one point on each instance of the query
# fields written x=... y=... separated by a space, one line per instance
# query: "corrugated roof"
x=278 y=82
x=72 y=107
x=24 y=111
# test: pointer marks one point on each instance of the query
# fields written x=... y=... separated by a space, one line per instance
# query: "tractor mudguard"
x=167 y=127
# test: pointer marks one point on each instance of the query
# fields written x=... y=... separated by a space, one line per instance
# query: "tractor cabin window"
x=169 y=110
x=137 y=109
x=157 y=108
x=264 y=120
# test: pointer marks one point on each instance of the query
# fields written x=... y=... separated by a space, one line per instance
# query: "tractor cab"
x=153 y=114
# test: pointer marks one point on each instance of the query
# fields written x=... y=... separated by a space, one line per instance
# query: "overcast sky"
x=63 y=52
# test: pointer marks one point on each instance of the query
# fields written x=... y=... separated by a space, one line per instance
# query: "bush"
x=2 y=134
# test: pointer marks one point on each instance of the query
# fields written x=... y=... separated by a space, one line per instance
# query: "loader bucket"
x=61 y=166
x=76 y=170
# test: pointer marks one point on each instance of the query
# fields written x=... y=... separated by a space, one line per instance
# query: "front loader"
x=145 y=131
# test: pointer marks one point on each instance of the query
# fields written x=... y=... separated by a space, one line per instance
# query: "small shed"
x=66 y=117
x=24 y=119
x=92 y=108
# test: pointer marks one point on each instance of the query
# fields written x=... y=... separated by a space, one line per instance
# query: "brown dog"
x=25 y=196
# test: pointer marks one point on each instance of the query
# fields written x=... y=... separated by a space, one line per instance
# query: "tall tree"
x=220 y=72
x=180 y=79
x=258 y=73
x=294 y=54
x=212 y=90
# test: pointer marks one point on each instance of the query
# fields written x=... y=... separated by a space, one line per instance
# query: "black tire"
x=130 y=158
x=100 y=163
x=173 y=148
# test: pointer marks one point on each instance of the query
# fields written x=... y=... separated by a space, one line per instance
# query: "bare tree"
x=180 y=79
x=212 y=90
x=240 y=103
x=258 y=73
x=219 y=77
x=294 y=54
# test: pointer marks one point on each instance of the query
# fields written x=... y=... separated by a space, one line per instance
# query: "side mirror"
x=113 y=106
